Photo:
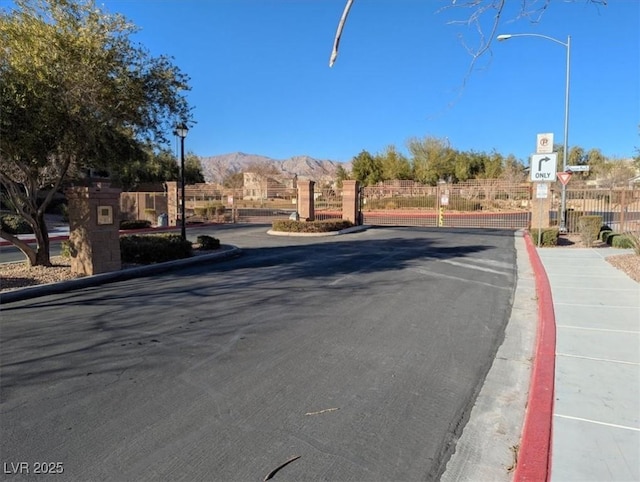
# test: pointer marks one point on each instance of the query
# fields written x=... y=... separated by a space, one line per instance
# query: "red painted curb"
x=534 y=456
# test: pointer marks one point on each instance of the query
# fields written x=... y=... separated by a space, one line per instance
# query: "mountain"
x=217 y=168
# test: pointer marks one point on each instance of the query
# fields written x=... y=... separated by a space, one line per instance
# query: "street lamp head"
x=505 y=36
x=181 y=130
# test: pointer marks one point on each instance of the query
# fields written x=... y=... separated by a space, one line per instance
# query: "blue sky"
x=262 y=84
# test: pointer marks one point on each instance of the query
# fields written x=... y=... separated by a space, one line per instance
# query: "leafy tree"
x=75 y=93
x=433 y=159
x=513 y=170
x=466 y=165
x=614 y=172
x=366 y=168
x=341 y=175
x=394 y=164
x=492 y=166
x=192 y=169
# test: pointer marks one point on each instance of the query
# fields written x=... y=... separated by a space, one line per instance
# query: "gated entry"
x=479 y=203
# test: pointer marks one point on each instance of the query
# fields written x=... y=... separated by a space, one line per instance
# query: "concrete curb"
x=125 y=274
x=534 y=457
x=354 y=229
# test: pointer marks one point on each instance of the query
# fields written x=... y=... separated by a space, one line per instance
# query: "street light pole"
x=565 y=153
x=181 y=132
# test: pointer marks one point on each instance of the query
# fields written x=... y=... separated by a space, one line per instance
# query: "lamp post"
x=181 y=132
x=565 y=153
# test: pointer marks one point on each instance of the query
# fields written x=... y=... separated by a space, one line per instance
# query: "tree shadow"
x=99 y=333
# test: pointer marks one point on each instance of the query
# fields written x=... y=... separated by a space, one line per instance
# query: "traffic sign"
x=542 y=191
x=581 y=168
x=543 y=167
x=544 y=144
x=564 y=177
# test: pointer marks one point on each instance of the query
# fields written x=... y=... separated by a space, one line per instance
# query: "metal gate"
x=481 y=203
x=619 y=206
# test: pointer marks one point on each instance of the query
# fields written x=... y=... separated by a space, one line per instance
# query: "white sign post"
x=542 y=192
x=543 y=171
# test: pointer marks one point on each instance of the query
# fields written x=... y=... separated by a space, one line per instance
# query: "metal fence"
x=478 y=203
x=619 y=207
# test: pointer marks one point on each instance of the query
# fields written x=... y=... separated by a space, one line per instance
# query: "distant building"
x=271 y=186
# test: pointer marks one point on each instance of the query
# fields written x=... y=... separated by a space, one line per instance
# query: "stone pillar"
x=351 y=201
x=94 y=229
x=172 y=202
x=540 y=207
x=305 y=200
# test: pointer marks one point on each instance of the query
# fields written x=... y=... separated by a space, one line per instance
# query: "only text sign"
x=543 y=167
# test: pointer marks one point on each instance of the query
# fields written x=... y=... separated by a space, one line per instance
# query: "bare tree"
x=475 y=13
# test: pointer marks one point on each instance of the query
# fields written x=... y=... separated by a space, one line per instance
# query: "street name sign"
x=543 y=167
x=581 y=168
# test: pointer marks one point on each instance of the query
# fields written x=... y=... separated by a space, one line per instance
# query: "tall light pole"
x=181 y=132
x=565 y=153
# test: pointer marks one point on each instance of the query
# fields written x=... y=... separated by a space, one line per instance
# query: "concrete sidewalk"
x=596 y=414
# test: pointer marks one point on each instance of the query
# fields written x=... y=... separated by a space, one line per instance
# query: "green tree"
x=341 y=175
x=394 y=164
x=366 y=168
x=432 y=159
x=75 y=93
x=192 y=169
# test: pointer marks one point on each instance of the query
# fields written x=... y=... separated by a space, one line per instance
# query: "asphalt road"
x=361 y=353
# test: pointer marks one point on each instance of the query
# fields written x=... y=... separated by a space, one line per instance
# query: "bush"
x=326 y=226
x=463 y=204
x=208 y=242
x=154 y=248
x=67 y=249
x=589 y=228
x=135 y=224
x=14 y=224
x=549 y=236
x=626 y=241
x=604 y=232
x=635 y=240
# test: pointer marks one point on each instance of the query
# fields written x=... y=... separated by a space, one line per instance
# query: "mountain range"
x=216 y=168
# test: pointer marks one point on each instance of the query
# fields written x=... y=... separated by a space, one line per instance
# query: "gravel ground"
x=20 y=275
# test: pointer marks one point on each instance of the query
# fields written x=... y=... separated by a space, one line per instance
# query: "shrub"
x=14 y=224
x=635 y=240
x=604 y=232
x=67 y=249
x=155 y=248
x=548 y=236
x=326 y=226
x=626 y=241
x=589 y=228
x=208 y=242
x=463 y=204
x=135 y=224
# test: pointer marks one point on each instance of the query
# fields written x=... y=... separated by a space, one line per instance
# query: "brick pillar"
x=94 y=225
x=305 y=200
x=172 y=202
x=351 y=201
x=540 y=207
